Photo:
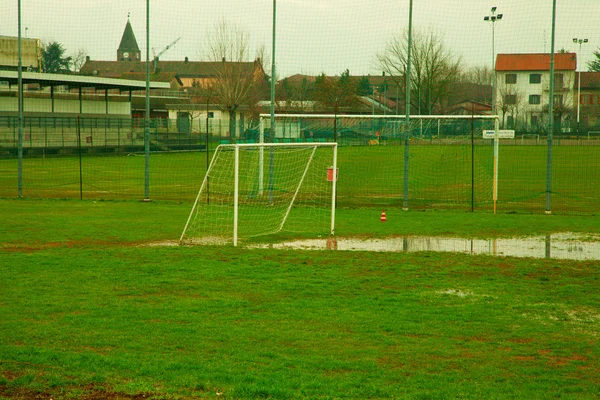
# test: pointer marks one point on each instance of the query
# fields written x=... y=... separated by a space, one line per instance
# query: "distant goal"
x=262 y=189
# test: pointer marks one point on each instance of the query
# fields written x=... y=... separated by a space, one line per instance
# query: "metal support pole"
x=273 y=71
x=550 y=117
x=236 y=187
x=493 y=67
x=271 y=152
x=578 y=97
x=493 y=18
x=147 y=117
x=334 y=191
x=580 y=41
x=20 y=102
x=261 y=155
x=407 y=112
x=496 y=148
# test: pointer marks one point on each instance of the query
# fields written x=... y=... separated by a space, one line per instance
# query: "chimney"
x=223 y=59
x=383 y=73
x=87 y=58
x=187 y=60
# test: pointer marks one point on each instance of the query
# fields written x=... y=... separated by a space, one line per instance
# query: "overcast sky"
x=313 y=36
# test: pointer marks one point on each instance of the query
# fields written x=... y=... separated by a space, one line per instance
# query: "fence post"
x=79 y=151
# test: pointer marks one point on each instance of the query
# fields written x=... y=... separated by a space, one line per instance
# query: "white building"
x=523 y=91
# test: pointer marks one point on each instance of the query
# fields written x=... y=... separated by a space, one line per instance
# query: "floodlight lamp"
x=499 y=16
x=585 y=40
x=494 y=9
x=574 y=40
x=486 y=18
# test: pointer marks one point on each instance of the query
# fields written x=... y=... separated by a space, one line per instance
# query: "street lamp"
x=493 y=18
x=580 y=41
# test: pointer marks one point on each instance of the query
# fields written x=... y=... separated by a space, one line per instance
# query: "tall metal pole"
x=271 y=152
x=20 y=113
x=147 y=117
x=578 y=96
x=493 y=67
x=493 y=18
x=580 y=41
x=273 y=71
x=407 y=112
x=550 y=117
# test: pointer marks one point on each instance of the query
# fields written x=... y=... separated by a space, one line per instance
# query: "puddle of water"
x=566 y=246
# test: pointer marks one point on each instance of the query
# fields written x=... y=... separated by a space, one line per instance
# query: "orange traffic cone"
x=383 y=218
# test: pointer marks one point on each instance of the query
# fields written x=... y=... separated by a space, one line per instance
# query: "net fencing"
x=212 y=64
x=441 y=157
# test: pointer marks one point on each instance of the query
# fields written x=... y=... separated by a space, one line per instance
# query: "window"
x=586 y=99
x=558 y=100
x=534 y=120
x=558 y=81
x=510 y=122
x=510 y=99
x=511 y=79
x=211 y=114
x=535 y=78
x=534 y=99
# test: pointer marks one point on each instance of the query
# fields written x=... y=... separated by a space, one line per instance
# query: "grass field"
x=90 y=311
x=440 y=177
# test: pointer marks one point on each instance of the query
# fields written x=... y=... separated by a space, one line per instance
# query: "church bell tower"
x=128 y=49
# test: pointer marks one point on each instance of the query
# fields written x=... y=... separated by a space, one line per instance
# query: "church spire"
x=128 y=48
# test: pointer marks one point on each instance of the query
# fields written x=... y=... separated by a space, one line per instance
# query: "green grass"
x=188 y=323
x=88 y=312
x=439 y=177
x=36 y=222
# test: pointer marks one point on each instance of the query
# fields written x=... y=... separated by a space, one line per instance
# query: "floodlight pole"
x=147 y=116
x=580 y=41
x=20 y=113
x=493 y=18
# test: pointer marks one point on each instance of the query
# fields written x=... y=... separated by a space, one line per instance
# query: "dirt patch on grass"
x=33 y=247
x=88 y=392
x=524 y=358
x=521 y=340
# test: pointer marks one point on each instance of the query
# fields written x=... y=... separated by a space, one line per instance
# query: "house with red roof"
x=522 y=91
x=589 y=103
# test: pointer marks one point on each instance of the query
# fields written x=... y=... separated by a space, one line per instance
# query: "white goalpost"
x=265 y=188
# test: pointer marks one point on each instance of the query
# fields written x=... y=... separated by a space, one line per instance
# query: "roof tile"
x=535 y=62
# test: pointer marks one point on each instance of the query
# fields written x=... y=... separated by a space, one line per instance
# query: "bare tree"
x=263 y=58
x=564 y=102
x=482 y=77
x=235 y=77
x=510 y=103
x=434 y=68
x=78 y=59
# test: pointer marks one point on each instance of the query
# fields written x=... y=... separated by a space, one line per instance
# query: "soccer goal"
x=266 y=188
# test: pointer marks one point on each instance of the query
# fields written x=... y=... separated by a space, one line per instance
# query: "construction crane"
x=157 y=56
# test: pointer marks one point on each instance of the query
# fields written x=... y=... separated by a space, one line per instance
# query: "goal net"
x=262 y=189
x=428 y=162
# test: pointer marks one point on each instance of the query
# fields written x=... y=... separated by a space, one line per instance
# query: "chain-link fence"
x=216 y=67
x=451 y=166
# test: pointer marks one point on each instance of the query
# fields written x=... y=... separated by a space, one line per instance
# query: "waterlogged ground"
x=566 y=246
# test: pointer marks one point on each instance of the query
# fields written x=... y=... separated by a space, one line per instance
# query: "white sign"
x=502 y=134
